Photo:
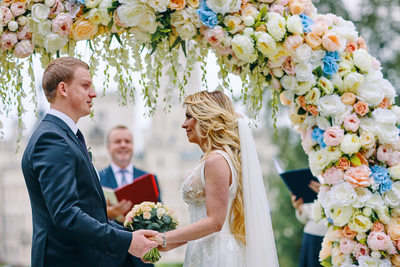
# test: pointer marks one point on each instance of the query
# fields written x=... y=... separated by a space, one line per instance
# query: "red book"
x=143 y=188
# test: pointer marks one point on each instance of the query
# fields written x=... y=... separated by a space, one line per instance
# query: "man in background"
x=121 y=172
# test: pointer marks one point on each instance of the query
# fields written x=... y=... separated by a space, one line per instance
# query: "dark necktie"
x=124 y=180
x=82 y=142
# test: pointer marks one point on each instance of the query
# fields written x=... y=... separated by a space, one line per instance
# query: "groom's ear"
x=62 y=89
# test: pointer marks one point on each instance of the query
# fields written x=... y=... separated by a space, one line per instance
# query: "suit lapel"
x=111 y=180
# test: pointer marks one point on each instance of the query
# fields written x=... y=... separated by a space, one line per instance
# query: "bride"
x=229 y=213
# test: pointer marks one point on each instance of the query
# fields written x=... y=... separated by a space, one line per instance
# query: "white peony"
x=388 y=90
x=318 y=162
x=265 y=43
x=92 y=3
x=383 y=214
x=341 y=215
x=294 y=25
x=342 y=195
x=276 y=26
x=132 y=14
x=352 y=82
x=345 y=67
x=157 y=5
x=243 y=47
x=384 y=116
x=44 y=27
x=394 y=172
x=387 y=134
x=392 y=197
x=360 y=223
x=375 y=201
x=337 y=81
x=350 y=144
x=186 y=31
x=148 y=22
x=54 y=42
x=350 y=34
x=105 y=17
x=303 y=88
x=330 y=105
x=368 y=93
x=179 y=18
x=367 y=139
x=304 y=72
x=224 y=6
x=362 y=59
x=233 y=23
x=323 y=123
x=313 y=96
x=302 y=53
x=40 y=12
x=367 y=261
x=363 y=196
x=289 y=82
x=369 y=125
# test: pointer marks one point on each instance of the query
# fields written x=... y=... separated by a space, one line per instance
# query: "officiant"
x=120 y=172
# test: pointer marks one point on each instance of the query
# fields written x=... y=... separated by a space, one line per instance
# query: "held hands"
x=141 y=242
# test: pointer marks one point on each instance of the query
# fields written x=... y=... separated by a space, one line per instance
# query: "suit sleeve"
x=55 y=166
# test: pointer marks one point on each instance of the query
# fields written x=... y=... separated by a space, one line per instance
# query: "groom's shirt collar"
x=71 y=124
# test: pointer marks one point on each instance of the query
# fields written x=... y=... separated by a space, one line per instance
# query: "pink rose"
x=358 y=176
x=361 y=43
x=383 y=153
x=293 y=42
x=56 y=9
x=333 y=136
x=62 y=24
x=288 y=66
x=347 y=245
x=343 y=164
x=378 y=227
x=18 y=8
x=351 y=123
x=8 y=40
x=331 y=42
x=7 y=15
x=277 y=9
x=333 y=175
x=394 y=158
x=319 y=29
x=214 y=36
x=360 y=250
x=24 y=33
x=323 y=19
x=23 y=49
x=306 y=141
x=378 y=241
x=309 y=7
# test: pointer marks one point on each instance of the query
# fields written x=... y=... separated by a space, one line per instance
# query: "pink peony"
x=7 y=15
x=358 y=176
x=347 y=245
x=319 y=29
x=56 y=9
x=333 y=175
x=62 y=24
x=24 y=33
x=277 y=9
x=378 y=227
x=351 y=123
x=378 y=240
x=288 y=66
x=23 y=49
x=348 y=233
x=383 y=153
x=18 y=8
x=394 y=158
x=360 y=250
x=292 y=42
x=333 y=136
x=214 y=36
x=8 y=40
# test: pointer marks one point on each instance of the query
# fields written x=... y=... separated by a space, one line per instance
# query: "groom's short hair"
x=59 y=70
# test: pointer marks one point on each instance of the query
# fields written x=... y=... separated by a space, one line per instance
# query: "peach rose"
x=348 y=98
x=385 y=103
x=301 y=100
x=261 y=28
x=193 y=3
x=358 y=159
x=177 y=4
x=293 y=42
x=361 y=108
x=296 y=7
x=358 y=176
x=288 y=66
x=18 y=8
x=361 y=43
x=83 y=29
x=395 y=259
x=351 y=47
x=313 y=110
x=343 y=164
x=393 y=229
x=331 y=42
x=319 y=29
x=348 y=233
x=378 y=227
x=313 y=40
x=284 y=100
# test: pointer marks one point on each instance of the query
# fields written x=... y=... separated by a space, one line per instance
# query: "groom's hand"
x=140 y=243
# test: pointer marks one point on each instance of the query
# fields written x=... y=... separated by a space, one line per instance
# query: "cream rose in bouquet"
x=151 y=216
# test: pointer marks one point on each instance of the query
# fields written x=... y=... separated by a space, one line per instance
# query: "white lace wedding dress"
x=219 y=249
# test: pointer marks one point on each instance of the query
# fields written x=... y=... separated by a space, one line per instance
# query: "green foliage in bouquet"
x=151 y=216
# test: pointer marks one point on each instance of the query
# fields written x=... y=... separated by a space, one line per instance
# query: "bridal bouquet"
x=152 y=216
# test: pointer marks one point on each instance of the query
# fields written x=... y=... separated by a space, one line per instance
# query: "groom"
x=70 y=225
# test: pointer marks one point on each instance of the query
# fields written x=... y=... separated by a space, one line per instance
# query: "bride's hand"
x=168 y=247
x=158 y=238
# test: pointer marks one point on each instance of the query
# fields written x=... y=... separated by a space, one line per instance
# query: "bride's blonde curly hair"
x=217 y=128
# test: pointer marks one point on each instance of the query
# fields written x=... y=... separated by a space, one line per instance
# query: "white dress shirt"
x=118 y=174
x=71 y=124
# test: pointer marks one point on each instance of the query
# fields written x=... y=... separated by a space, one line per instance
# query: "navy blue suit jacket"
x=70 y=225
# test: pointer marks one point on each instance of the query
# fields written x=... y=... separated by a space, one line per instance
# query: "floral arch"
x=315 y=64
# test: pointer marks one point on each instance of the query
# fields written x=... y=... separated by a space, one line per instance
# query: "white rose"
x=323 y=123
x=131 y=15
x=341 y=115
x=158 y=5
x=309 y=121
x=40 y=12
x=49 y=3
x=385 y=116
x=265 y=43
x=317 y=55
x=383 y=214
x=391 y=198
x=388 y=90
x=360 y=223
x=22 y=20
x=224 y=6
x=148 y=22
x=317 y=211
x=194 y=17
x=105 y=17
x=367 y=92
x=303 y=72
x=92 y=3
x=326 y=85
x=44 y=27
x=233 y=23
x=276 y=26
x=367 y=211
x=140 y=35
x=186 y=31
x=303 y=88
x=278 y=73
x=289 y=82
x=352 y=82
x=337 y=81
x=313 y=96
x=394 y=172
x=341 y=215
x=363 y=195
x=387 y=134
x=350 y=144
x=350 y=34
x=317 y=162
x=294 y=25
x=343 y=194
x=248 y=21
x=367 y=139
x=179 y=18
x=362 y=60
x=248 y=31
x=369 y=125
x=243 y=47
x=330 y=105
x=302 y=53
x=12 y=26
x=375 y=201
x=54 y=42
x=332 y=154
x=396 y=111
x=345 y=67
x=160 y=213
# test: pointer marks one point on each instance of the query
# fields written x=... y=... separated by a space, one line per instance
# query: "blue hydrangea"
x=318 y=136
x=207 y=16
x=382 y=178
x=77 y=2
x=307 y=22
x=330 y=63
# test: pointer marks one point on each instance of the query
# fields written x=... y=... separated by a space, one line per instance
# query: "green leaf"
x=114 y=6
x=183 y=45
x=177 y=41
x=301 y=111
x=166 y=219
x=327 y=262
x=318 y=71
x=153 y=226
